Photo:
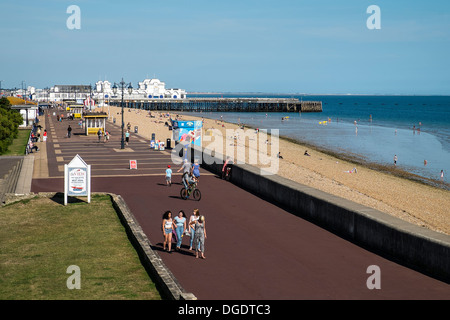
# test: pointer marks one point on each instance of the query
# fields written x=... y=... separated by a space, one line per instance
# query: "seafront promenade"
x=254 y=249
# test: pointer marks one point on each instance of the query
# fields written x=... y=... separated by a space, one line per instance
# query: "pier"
x=222 y=105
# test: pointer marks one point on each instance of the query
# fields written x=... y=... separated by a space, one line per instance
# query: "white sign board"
x=77 y=179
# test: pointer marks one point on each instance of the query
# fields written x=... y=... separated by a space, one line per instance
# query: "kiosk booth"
x=76 y=110
x=95 y=121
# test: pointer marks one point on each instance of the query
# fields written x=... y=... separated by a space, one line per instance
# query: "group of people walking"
x=101 y=134
x=191 y=173
x=179 y=227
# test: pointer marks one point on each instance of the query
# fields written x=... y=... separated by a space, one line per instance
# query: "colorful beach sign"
x=188 y=132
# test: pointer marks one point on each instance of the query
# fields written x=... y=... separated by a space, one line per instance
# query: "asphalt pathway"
x=254 y=249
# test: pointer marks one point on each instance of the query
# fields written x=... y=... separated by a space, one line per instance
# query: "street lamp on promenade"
x=122 y=85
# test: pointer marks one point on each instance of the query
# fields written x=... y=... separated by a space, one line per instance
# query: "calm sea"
x=384 y=128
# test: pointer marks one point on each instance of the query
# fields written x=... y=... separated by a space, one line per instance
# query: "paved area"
x=254 y=250
x=10 y=168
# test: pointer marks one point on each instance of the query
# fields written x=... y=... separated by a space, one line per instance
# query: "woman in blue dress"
x=196 y=169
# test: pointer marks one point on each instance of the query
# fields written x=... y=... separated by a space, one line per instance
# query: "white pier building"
x=101 y=92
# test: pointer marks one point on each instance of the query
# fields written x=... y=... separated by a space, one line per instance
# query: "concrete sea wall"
x=417 y=248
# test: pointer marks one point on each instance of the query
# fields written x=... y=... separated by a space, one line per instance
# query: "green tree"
x=9 y=124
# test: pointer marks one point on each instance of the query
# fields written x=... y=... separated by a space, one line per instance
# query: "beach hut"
x=95 y=121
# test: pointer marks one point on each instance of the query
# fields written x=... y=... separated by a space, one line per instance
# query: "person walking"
x=45 y=135
x=196 y=169
x=186 y=167
x=168 y=176
x=194 y=217
x=200 y=236
x=69 y=131
x=167 y=227
x=180 y=223
x=99 y=134
x=127 y=137
x=442 y=175
x=395 y=160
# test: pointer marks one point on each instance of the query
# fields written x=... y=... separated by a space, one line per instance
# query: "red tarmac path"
x=254 y=249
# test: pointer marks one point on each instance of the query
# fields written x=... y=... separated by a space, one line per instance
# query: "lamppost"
x=24 y=94
x=122 y=85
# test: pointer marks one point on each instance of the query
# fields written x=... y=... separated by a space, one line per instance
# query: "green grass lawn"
x=18 y=146
x=41 y=238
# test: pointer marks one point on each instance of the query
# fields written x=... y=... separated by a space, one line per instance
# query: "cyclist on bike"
x=189 y=180
x=226 y=166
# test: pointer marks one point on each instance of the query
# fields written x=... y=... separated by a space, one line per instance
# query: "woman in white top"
x=193 y=218
x=167 y=227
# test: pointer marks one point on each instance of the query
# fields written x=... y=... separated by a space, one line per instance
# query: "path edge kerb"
x=166 y=282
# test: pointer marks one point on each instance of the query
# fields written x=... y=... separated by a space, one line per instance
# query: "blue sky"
x=283 y=46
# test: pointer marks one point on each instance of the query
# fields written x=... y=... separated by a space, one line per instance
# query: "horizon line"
x=320 y=94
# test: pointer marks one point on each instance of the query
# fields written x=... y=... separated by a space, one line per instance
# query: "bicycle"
x=196 y=194
x=226 y=173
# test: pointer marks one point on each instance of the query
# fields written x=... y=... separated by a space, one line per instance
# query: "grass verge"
x=18 y=146
x=41 y=238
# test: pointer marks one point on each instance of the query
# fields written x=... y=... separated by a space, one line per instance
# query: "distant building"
x=149 y=89
x=57 y=93
x=101 y=92
x=29 y=113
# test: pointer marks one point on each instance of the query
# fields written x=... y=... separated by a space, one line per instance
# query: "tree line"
x=9 y=124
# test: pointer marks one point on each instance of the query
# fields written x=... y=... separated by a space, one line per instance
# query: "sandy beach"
x=417 y=203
